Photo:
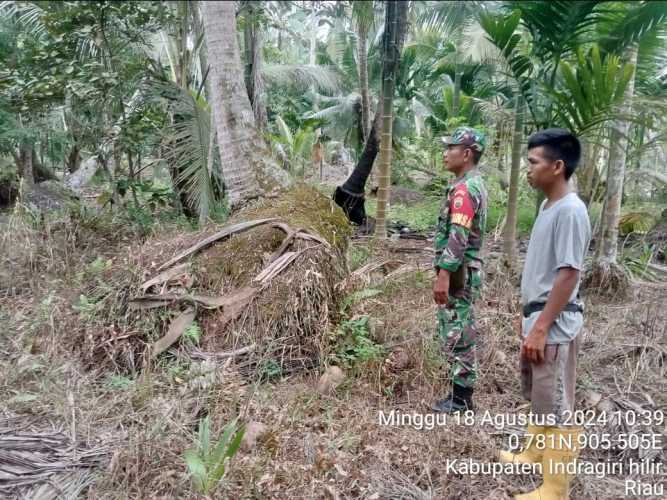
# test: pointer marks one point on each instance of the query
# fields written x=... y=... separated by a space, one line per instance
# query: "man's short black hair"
x=476 y=155
x=559 y=144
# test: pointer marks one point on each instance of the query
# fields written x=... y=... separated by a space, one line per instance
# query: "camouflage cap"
x=467 y=136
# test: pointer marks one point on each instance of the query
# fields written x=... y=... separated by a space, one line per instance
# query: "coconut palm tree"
x=253 y=39
x=238 y=140
x=363 y=17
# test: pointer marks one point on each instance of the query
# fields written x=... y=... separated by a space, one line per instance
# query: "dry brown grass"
x=316 y=446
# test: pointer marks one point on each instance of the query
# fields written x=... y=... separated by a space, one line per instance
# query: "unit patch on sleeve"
x=462 y=211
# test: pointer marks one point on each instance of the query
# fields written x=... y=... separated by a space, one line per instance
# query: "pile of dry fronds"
x=261 y=288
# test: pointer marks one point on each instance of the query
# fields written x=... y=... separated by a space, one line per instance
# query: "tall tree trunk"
x=350 y=196
x=203 y=51
x=641 y=133
x=238 y=140
x=606 y=275
x=509 y=231
x=456 y=98
x=498 y=149
x=362 y=56
x=395 y=21
x=587 y=173
x=607 y=251
x=40 y=171
x=26 y=167
x=252 y=35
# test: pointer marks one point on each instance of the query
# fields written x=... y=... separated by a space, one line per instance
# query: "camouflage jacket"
x=461 y=223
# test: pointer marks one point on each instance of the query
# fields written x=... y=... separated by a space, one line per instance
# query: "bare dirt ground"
x=100 y=434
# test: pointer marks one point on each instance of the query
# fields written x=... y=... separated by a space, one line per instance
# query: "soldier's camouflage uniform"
x=458 y=243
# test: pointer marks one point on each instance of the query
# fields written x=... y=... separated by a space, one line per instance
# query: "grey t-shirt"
x=560 y=238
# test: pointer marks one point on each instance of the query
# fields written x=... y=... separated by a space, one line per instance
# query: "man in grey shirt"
x=559 y=240
x=552 y=314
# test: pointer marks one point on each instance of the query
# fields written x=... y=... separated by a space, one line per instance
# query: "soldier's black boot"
x=459 y=400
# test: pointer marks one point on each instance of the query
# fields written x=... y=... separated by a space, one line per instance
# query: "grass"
x=315 y=443
x=525 y=216
x=423 y=216
x=420 y=216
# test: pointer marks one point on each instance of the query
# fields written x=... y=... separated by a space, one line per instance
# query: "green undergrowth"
x=423 y=216
x=353 y=343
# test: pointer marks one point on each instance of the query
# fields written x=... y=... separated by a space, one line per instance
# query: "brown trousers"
x=550 y=385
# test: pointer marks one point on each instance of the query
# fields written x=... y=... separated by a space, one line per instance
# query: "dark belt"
x=533 y=307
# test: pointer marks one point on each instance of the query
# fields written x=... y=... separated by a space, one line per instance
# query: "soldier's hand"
x=441 y=287
x=533 y=345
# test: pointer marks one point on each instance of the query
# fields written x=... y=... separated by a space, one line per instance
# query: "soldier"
x=458 y=264
x=552 y=313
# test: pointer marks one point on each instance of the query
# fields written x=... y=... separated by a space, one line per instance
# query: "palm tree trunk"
x=607 y=252
x=456 y=98
x=203 y=51
x=362 y=55
x=606 y=276
x=252 y=35
x=586 y=177
x=26 y=167
x=395 y=21
x=350 y=196
x=509 y=231
x=641 y=134
x=238 y=140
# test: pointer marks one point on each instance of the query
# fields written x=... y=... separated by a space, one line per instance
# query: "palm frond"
x=628 y=22
x=592 y=87
x=340 y=115
x=303 y=142
x=447 y=16
x=285 y=132
x=475 y=45
x=302 y=77
x=27 y=14
x=500 y=30
x=558 y=27
x=363 y=15
x=186 y=146
x=337 y=41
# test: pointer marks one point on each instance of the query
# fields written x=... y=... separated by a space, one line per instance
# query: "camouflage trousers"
x=457 y=331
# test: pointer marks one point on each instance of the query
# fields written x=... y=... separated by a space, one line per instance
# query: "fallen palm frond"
x=44 y=465
x=393 y=484
x=371 y=273
x=176 y=329
x=225 y=233
x=181 y=271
